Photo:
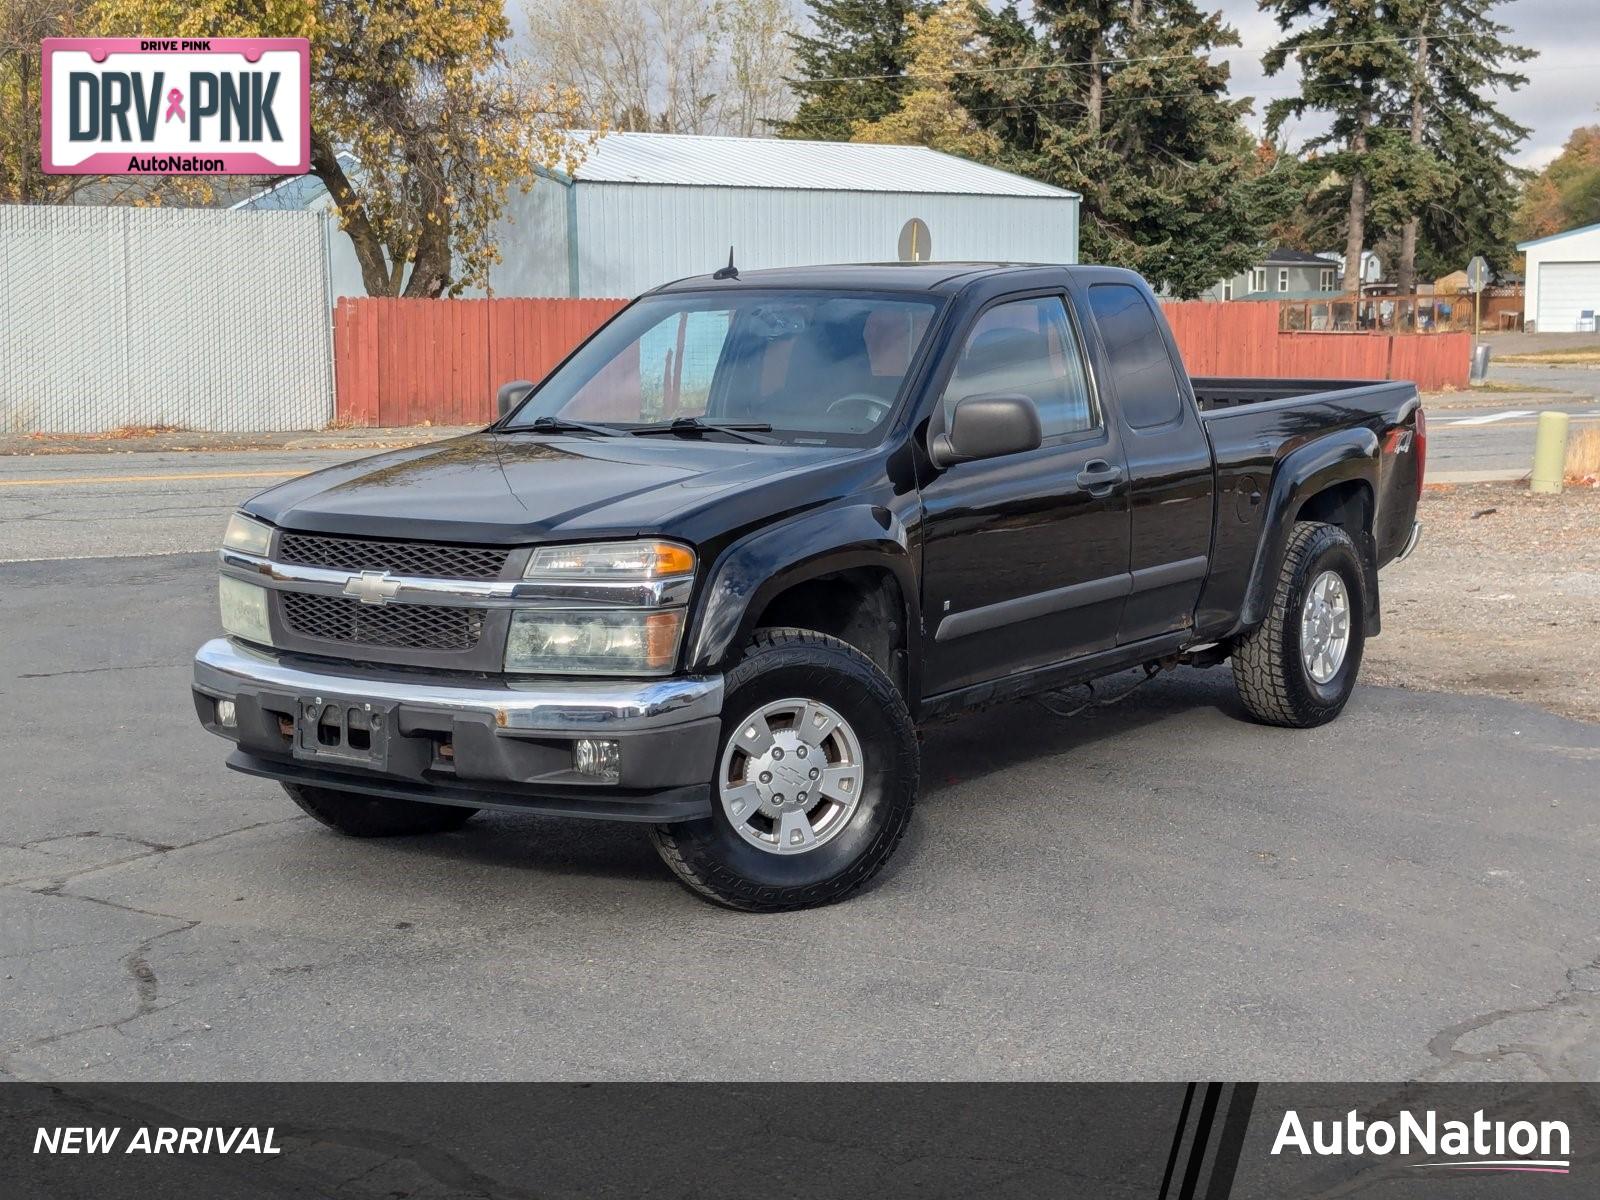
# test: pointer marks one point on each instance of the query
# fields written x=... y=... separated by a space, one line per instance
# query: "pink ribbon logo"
x=175 y=105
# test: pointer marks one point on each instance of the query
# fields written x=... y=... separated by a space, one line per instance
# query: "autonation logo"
x=1476 y=1145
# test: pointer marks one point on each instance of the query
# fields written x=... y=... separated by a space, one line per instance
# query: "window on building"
x=1141 y=368
x=1027 y=348
x=1258 y=279
x=1327 y=279
x=1283 y=279
x=1227 y=289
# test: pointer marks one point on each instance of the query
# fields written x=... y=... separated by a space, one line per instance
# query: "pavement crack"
x=146 y=986
x=1580 y=997
x=94 y=670
x=57 y=880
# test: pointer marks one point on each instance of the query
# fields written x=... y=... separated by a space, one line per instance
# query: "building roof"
x=1282 y=256
x=693 y=160
x=1555 y=237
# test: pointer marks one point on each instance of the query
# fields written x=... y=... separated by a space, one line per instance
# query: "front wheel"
x=1299 y=667
x=816 y=778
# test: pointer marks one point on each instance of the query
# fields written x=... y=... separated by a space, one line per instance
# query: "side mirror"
x=510 y=395
x=987 y=427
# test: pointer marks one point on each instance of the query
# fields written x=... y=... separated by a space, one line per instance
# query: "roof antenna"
x=730 y=271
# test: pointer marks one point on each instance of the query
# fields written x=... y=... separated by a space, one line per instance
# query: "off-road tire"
x=714 y=862
x=1272 y=680
x=376 y=816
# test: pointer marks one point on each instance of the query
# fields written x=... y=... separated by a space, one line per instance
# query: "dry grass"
x=1583 y=458
x=1553 y=358
x=123 y=432
x=1516 y=389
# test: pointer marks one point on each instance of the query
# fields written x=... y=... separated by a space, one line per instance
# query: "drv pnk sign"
x=176 y=106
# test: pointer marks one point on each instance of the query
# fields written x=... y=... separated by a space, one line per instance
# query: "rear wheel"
x=815 y=782
x=376 y=816
x=1299 y=667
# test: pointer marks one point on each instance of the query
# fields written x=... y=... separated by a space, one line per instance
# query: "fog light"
x=227 y=715
x=598 y=759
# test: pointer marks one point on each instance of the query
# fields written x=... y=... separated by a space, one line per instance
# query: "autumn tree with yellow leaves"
x=422 y=95
x=938 y=44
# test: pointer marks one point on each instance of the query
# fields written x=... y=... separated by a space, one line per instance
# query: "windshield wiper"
x=562 y=425
x=745 y=431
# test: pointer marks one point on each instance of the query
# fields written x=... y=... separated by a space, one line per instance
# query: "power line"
x=1105 y=62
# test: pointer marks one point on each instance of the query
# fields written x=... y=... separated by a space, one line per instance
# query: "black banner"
x=1203 y=1141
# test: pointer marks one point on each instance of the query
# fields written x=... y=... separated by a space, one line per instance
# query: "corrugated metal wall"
x=633 y=237
x=187 y=317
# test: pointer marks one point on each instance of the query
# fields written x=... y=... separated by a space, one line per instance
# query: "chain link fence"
x=193 y=318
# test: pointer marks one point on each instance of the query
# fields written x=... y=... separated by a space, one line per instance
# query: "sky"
x=1562 y=92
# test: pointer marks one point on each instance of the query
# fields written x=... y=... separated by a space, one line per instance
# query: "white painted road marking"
x=1520 y=415
x=1491 y=418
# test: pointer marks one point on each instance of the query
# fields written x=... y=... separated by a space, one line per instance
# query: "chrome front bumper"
x=467 y=740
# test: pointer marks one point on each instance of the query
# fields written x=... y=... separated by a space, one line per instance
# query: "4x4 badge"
x=373 y=587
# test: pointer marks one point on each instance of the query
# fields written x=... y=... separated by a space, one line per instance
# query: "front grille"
x=398 y=558
x=410 y=626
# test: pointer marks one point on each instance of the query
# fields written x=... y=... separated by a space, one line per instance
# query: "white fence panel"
x=113 y=317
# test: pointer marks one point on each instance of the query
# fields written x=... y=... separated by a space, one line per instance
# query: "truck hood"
x=495 y=488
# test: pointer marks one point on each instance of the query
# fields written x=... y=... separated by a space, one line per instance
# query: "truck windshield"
x=820 y=368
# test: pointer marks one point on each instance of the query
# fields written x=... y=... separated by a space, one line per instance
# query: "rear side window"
x=1141 y=369
x=1026 y=347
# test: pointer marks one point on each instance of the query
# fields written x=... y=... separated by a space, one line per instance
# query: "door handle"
x=1099 y=477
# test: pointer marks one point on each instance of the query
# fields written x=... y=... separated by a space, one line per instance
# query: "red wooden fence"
x=404 y=362
x=1242 y=338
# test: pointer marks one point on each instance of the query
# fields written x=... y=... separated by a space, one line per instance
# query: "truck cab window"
x=1027 y=347
x=818 y=366
x=1141 y=368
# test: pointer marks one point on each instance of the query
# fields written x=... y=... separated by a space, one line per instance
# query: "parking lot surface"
x=1157 y=890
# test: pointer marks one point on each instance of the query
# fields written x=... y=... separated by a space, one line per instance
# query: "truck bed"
x=1256 y=426
x=1221 y=392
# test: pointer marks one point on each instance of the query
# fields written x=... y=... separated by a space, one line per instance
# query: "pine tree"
x=1354 y=61
x=1467 y=193
x=1136 y=118
x=850 y=67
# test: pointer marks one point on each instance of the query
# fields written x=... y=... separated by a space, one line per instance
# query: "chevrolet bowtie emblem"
x=373 y=587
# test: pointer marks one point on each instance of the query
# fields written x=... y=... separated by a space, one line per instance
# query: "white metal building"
x=645 y=208
x=1563 y=281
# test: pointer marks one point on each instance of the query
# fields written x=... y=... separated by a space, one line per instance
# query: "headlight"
x=248 y=535
x=643 y=561
x=594 y=642
x=244 y=610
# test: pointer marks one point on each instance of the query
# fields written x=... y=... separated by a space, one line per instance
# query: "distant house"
x=1563 y=290
x=1371 y=265
x=1282 y=274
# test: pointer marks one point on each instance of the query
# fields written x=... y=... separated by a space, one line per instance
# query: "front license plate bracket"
x=348 y=731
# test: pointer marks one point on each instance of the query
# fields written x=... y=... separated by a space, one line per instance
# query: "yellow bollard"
x=1550 y=453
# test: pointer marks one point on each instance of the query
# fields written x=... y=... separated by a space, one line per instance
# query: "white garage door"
x=1566 y=289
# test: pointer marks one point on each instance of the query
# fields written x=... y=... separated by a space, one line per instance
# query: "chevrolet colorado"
x=713 y=572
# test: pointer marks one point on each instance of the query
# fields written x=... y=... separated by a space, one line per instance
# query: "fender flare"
x=752 y=571
x=1345 y=456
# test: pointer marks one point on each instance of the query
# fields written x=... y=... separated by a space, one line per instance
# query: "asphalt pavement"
x=1495 y=440
x=1157 y=890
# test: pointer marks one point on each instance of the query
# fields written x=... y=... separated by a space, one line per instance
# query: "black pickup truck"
x=714 y=571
